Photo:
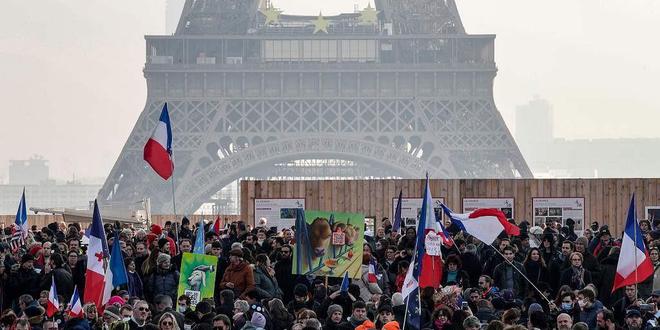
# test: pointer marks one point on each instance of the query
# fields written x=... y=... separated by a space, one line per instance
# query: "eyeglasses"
x=167 y=323
x=143 y=309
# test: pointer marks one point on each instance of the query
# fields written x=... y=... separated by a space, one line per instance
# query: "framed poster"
x=281 y=213
x=411 y=208
x=504 y=204
x=652 y=213
x=559 y=209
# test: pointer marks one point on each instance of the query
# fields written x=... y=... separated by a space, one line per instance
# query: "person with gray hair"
x=471 y=323
x=165 y=280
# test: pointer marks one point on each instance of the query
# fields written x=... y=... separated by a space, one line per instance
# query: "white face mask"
x=182 y=308
x=126 y=319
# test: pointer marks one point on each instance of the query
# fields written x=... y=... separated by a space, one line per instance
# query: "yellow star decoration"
x=369 y=16
x=272 y=15
x=321 y=24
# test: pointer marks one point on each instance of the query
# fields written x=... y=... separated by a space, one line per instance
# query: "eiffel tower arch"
x=253 y=93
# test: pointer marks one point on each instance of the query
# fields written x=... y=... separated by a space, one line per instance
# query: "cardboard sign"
x=433 y=244
x=338 y=238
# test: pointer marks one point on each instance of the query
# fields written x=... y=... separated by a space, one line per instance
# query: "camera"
x=465 y=306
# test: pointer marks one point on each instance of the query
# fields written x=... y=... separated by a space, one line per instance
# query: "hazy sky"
x=71 y=84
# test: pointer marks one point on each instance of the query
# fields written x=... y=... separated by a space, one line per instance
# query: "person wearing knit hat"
x=335 y=317
x=236 y=253
x=111 y=314
x=116 y=300
x=392 y=325
x=163 y=257
x=258 y=320
x=165 y=280
x=35 y=314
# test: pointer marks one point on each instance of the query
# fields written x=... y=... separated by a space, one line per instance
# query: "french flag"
x=158 y=150
x=53 y=305
x=484 y=224
x=75 y=307
x=373 y=274
x=634 y=264
x=116 y=272
x=95 y=275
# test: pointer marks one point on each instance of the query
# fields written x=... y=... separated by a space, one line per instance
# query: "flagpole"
x=406 y=313
x=632 y=207
x=176 y=218
x=521 y=273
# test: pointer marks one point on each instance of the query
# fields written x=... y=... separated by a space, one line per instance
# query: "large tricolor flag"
x=484 y=224
x=53 y=305
x=115 y=275
x=634 y=264
x=75 y=307
x=21 y=217
x=431 y=263
x=95 y=275
x=158 y=150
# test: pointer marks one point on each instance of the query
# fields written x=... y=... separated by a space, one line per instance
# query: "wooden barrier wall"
x=606 y=200
x=41 y=220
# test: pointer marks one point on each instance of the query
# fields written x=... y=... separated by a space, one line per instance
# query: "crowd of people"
x=545 y=278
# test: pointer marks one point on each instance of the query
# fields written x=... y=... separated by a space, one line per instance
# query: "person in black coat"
x=165 y=280
x=25 y=279
x=471 y=263
x=607 y=275
x=283 y=272
x=505 y=276
x=63 y=278
x=535 y=266
x=576 y=276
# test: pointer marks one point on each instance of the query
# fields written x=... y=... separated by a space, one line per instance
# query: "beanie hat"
x=334 y=308
x=392 y=325
x=163 y=257
x=162 y=242
x=397 y=299
x=116 y=300
x=34 y=250
x=34 y=311
x=258 y=320
x=156 y=229
x=534 y=308
x=113 y=312
x=300 y=290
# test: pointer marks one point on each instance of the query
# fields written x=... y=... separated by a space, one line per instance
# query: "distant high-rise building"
x=534 y=128
x=33 y=171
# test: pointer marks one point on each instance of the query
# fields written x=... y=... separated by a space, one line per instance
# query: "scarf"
x=577 y=279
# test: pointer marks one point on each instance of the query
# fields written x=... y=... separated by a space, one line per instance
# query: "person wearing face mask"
x=589 y=307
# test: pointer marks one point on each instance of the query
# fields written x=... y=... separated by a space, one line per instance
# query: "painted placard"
x=411 y=208
x=559 y=209
x=197 y=279
x=504 y=204
x=433 y=244
x=281 y=213
x=315 y=252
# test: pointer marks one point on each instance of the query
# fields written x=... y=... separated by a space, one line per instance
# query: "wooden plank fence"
x=606 y=200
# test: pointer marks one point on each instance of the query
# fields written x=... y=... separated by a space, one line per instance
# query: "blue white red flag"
x=115 y=275
x=75 y=307
x=217 y=225
x=158 y=150
x=634 y=264
x=344 y=283
x=53 y=304
x=95 y=275
x=21 y=217
x=484 y=224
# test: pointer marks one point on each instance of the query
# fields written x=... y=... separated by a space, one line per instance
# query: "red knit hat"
x=156 y=229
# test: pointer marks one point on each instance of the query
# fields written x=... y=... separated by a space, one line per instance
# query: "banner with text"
x=559 y=209
x=281 y=213
x=503 y=204
x=412 y=207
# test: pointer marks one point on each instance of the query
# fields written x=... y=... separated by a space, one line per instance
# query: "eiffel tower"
x=392 y=91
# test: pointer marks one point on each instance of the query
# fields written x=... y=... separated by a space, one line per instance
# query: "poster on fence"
x=411 y=208
x=652 y=213
x=197 y=279
x=559 y=209
x=280 y=212
x=317 y=250
x=503 y=204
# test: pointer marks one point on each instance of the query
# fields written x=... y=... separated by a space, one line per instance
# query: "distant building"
x=173 y=12
x=33 y=171
x=548 y=156
x=47 y=196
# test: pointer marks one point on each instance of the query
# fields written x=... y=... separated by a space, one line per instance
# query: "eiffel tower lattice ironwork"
x=406 y=94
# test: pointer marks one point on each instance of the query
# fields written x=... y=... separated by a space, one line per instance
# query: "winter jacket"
x=161 y=282
x=23 y=282
x=519 y=282
x=283 y=276
x=266 y=284
x=135 y=286
x=462 y=278
x=63 y=282
x=367 y=289
x=536 y=272
x=241 y=275
x=567 y=279
x=608 y=273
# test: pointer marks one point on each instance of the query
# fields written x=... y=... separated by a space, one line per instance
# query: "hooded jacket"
x=242 y=277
